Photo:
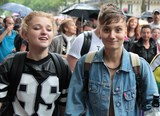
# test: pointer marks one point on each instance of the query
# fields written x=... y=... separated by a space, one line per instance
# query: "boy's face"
x=146 y=34
x=156 y=17
x=113 y=34
x=9 y=23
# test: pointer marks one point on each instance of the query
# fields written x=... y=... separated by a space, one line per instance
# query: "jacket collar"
x=140 y=42
x=125 y=62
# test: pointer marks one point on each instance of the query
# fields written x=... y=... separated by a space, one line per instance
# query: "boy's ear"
x=126 y=32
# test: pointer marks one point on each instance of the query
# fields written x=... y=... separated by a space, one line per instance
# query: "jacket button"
x=118 y=104
x=133 y=95
x=117 y=89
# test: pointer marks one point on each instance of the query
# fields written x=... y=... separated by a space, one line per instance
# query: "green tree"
x=41 y=5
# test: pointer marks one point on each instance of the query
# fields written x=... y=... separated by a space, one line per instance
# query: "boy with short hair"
x=111 y=87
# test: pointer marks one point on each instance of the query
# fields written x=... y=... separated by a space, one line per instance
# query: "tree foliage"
x=40 y=5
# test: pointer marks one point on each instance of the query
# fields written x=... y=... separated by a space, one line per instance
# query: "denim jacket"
x=95 y=101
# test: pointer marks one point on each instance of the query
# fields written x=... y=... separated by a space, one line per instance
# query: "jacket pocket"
x=129 y=99
x=93 y=92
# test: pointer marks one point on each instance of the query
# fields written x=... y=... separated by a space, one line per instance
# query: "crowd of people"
x=110 y=86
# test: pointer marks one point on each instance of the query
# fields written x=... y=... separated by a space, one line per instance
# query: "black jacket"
x=147 y=54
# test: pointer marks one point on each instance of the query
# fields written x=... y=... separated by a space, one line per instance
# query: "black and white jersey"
x=38 y=88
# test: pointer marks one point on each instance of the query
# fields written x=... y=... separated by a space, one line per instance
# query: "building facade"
x=133 y=6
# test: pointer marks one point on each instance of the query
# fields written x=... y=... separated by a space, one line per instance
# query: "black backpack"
x=16 y=71
x=87 y=42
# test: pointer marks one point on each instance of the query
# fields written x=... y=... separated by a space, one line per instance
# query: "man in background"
x=7 y=37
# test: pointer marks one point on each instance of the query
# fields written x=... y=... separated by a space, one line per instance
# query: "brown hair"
x=110 y=13
x=146 y=26
x=155 y=29
x=137 y=29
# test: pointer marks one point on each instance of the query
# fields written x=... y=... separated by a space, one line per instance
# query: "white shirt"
x=75 y=49
x=153 y=25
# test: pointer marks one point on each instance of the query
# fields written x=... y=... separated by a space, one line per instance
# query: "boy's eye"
x=118 y=30
x=106 y=30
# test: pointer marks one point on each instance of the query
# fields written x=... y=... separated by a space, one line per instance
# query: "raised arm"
x=3 y=35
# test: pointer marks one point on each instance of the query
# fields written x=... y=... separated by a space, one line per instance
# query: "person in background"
x=150 y=19
x=87 y=26
x=133 y=29
x=133 y=32
x=76 y=49
x=7 y=37
x=1 y=22
x=19 y=43
x=57 y=22
x=93 y=19
x=18 y=21
x=39 y=87
x=156 y=37
x=156 y=19
x=110 y=88
x=61 y=43
x=79 y=24
x=145 y=46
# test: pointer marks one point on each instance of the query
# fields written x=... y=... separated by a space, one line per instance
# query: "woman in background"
x=133 y=32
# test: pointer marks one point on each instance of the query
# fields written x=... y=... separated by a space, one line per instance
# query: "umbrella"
x=16 y=8
x=80 y=10
x=146 y=14
x=129 y=15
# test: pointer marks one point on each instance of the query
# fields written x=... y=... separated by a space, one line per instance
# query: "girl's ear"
x=24 y=35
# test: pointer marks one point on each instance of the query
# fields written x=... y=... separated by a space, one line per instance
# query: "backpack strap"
x=60 y=69
x=154 y=58
x=136 y=66
x=16 y=73
x=87 y=42
x=62 y=73
x=87 y=65
x=135 y=62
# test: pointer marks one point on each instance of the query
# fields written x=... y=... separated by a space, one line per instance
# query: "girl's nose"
x=44 y=31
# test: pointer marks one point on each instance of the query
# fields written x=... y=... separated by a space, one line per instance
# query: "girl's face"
x=146 y=34
x=40 y=32
x=133 y=23
x=113 y=34
x=156 y=34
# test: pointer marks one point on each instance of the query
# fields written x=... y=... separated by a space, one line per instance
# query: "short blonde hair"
x=29 y=17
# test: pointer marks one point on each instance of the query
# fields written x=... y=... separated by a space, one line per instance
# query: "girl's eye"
x=49 y=29
x=36 y=28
